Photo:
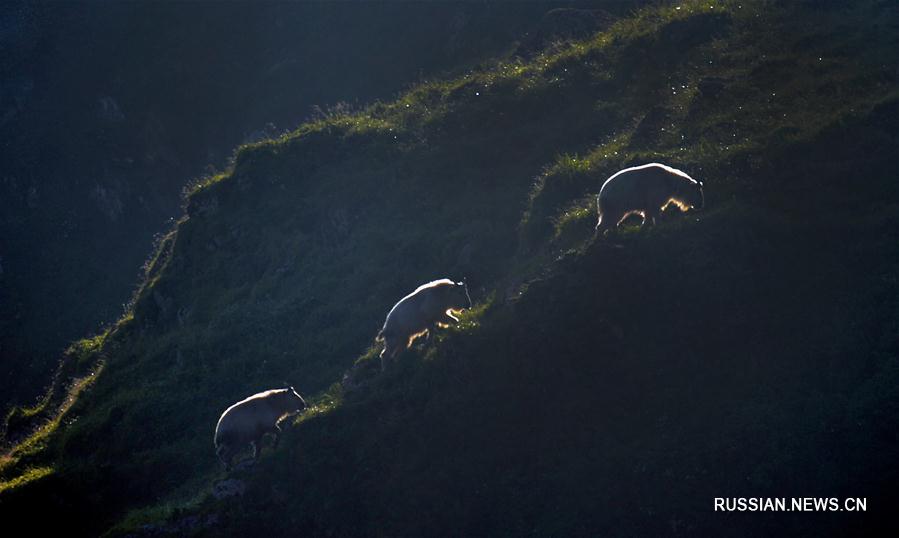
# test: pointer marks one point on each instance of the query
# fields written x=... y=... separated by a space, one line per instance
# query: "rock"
x=228 y=488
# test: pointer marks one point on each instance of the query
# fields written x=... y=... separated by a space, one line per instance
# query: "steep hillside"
x=108 y=109
x=601 y=386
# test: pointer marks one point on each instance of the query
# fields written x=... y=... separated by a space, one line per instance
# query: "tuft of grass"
x=322 y=404
x=581 y=216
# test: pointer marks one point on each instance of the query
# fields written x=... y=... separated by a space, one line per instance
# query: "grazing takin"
x=646 y=190
x=249 y=420
x=429 y=305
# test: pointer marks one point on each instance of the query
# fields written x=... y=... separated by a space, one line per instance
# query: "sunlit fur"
x=428 y=306
x=412 y=338
x=681 y=204
x=247 y=421
x=645 y=190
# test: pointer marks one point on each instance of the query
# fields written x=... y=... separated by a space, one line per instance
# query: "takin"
x=646 y=190
x=247 y=422
x=429 y=305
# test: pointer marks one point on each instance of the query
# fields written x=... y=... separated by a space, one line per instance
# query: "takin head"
x=690 y=193
x=293 y=402
x=457 y=297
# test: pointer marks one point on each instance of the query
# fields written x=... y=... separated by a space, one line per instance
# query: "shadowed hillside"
x=108 y=109
x=600 y=386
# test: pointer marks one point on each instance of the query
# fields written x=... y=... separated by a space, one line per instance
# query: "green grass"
x=80 y=366
x=562 y=385
x=35 y=441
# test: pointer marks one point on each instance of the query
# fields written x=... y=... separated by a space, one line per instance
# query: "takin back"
x=247 y=421
x=645 y=190
x=428 y=306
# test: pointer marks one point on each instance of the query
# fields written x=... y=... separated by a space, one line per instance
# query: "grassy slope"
x=191 y=81
x=746 y=352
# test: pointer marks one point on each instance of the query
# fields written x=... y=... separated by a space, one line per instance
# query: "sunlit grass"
x=188 y=499
x=30 y=475
x=576 y=215
x=79 y=357
x=36 y=441
x=470 y=318
x=321 y=405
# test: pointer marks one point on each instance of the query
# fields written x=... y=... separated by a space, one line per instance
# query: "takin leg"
x=424 y=336
x=602 y=225
x=257 y=447
x=275 y=435
x=409 y=340
x=446 y=319
x=392 y=346
x=608 y=221
x=649 y=217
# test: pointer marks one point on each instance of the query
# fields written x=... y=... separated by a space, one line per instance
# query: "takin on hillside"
x=247 y=422
x=646 y=190
x=428 y=306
